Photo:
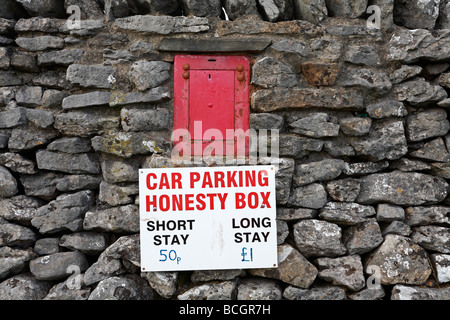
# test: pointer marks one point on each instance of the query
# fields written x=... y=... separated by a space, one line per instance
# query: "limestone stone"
x=162 y=24
x=346 y=213
x=346 y=9
x=280 y=75
x=318 y=125
x=258 y=289
x=276 y=10
x=312 y=196
x=92 y=76
x=362 y=237
x=56 y=266
x=320 y=74
x=148 y=74
x=427 y=124
x=65 y=162
x=24 y=287
x=434 y=238
x=8 y=184
x=307 y=173
x=416 y=14
x=314 y=11
x=130 y=287
x=40 y=43
x=116 y=219
x=85 y=123
x=144 y=119
x=345 y=271
x=421 y=215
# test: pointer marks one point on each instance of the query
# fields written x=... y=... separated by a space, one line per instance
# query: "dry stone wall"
x=362 y=184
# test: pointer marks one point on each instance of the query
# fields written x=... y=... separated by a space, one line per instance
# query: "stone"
x=91 y=243
x=327 y=49
x=258 y=289
x=417 y=216
x=86 y=123
x=362 y=55
x=389 y=212
x=14 y=260
x=363 y=168
x=209 y=275
x=441 y=263
x=282 y=231
x=57 y=266
x=276 y=10
x=320 y=74
x=117 y=219
x=225 y=290
x=294 y=214
x=70 y=145
x=10 y=78
x=427 y=124
x=434 y=238
x=41 y=118
x=24 y=287
x=13 y=118
x=402 y=188
x=267 y=121
x=52 y=79
x=355 y=126
x=213 y=45
x=30 y=137
x=116 y=170
x=318 y=238
x=318 y=125
x=345 y=271
x=434 y=150
x=162 y=24
x=396 y=227
x=307 y=173
x=47 y=246
x=362 y=237
x=405 y=72
x=293 y=268
x=71 y=289
x=407 y=165
x=282 y=98
x=154 y=95
x=148 y=74
x=130 y=287
x=386 y=109
x=239 y=8
x=386 y=140
x=77 y=182
x=19 y=208
x=52 y=98
x=419 y=92
x=65 y=162
x=127 y=144
x=41 y=184
x=280 y=75
x=164 y=283
x=115 y=195
x=64 y=213
x=84 y=100
x=145 y=119
x=4 y=59
x=344 y=190
x=312 y=196
x=40 y=43
x=399 y=260
x=8 y=184
x=342 y=8
x=92 y=76
x=386 y=14
x=15 y=235
x=375 y=82
x=410 y=293
x=291 y=46
x=29 y=96
x=64 y=57
x=44 y=8
x=416 y=14
x=322 y=292
x=346 y=213
x=314 y=11
x=202 y=8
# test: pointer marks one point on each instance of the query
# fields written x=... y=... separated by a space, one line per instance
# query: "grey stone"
x=164 y=283
x=145 y=119
x=202 y=8
x=345 y=271
x=130 y=287
x=8 y=184
x=71 y=289
x=280 y=75
x=10 y=78
x=64 y=162
x=46 y=246
x=57 y=266
x=327 y=49
x=416 y=216
x=307 y=173
x=87 y=242
x=282 y=231
x=443 y=20
x=17 y=163
x=355 y=126
x=322 y=292
x=29 y=96
x=362 y=55
x=441 y=263
x=162 y=24
x=51 y=79
x=319 y=238
x=427 y=124
x=88 y=28
x=239 y=8
x=40 y=43
x=389 y=212
x=434 y=150
x=148 y=74
x=4 y=58
x=402 y=188
x=291 y=46
x=4 y=140
x=346 y=213
x=115 y=195
x=386 y=14
x=312 y=196
x=77 y=182
x=396 y=227
x=337 y=147
x=13 y=118
x=344 y=190
x=70 y=145
x=399 y=260
x=363 y=168
x=24 y=287
x=209 y=275
x=293 y=268
x=258 y=289
x=267 y=121
x=283 y=177
x=224 y=290
x=276 y=10
x=434 y=238
x=64 y=213
x=84 y=100
x=296 y=98
x=44 y=8
x=30 y=137
x=117 y=170
x=314 y=11
x=410 y=293
x=318 y=125
x=374 y=81
x=362 y=237
x=19 y=208
x=386 y=140
x=405 y=72
x=64 y=57
x=116 y=219
x=419 y=92
x=162 y=6
x=88 y=8
x=373 y=293
x=346 y=9
x=41 y=118
x=42 y=184
x=416 y=14
x=15 y=235
x=14 y=260
x=6 y=95
x=52 y=98
x=85 y=124
x=292 y=145
x=386 y=109
x=92 y=76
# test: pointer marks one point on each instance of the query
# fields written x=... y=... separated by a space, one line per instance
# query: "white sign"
x=207 y=218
